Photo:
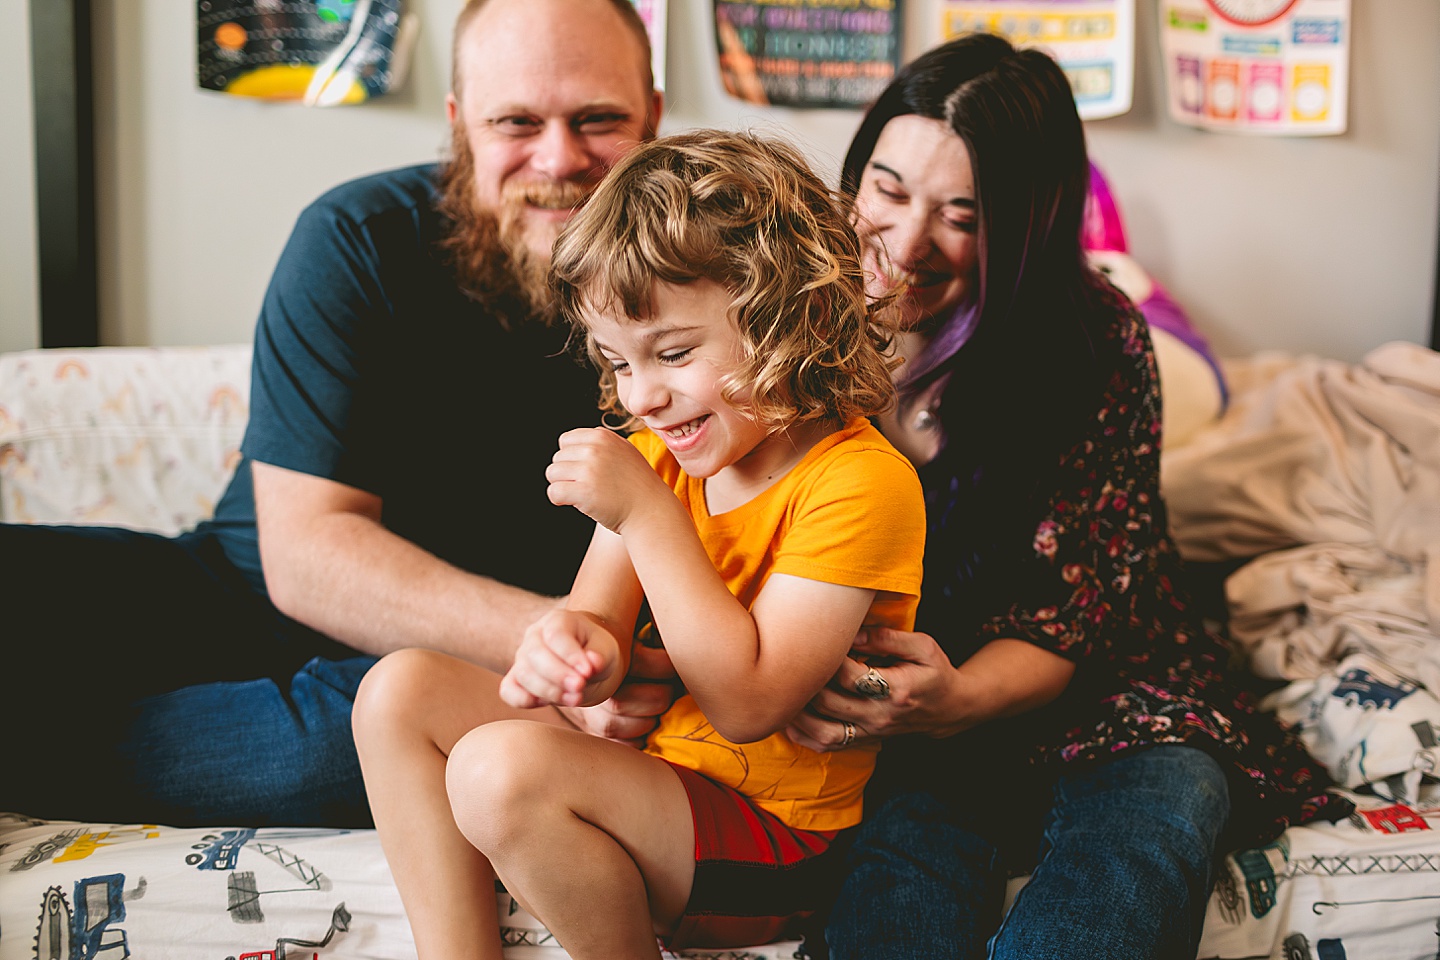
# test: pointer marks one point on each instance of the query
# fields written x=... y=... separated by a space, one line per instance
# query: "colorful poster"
x=652 y=12
x=808 y=53
x=320 y=52
x=1277 y=67
x=1092 y=40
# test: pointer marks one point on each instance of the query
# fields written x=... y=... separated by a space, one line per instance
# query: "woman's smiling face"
x=916 y=215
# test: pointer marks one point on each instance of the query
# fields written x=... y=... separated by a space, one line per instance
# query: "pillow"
x=1192 y=385
x=138 y=437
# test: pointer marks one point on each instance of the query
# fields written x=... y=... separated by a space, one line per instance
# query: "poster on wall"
x=319 y=52
x=1092 y=40
x=1276 y=67
x=819 y=53
x=652 y=13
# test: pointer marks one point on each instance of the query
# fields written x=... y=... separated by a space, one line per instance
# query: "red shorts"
x=756 y=879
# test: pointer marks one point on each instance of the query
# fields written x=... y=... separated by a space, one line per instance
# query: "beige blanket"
x=1333 y=471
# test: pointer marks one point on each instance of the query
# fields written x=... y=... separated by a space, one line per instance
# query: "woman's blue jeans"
x=1126 y=858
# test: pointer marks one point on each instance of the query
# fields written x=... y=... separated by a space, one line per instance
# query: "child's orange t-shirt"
x=852 y=513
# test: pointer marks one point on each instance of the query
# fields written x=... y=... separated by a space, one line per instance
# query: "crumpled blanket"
x=1328 y=474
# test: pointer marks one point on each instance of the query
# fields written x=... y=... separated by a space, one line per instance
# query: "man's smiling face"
x=552 y=92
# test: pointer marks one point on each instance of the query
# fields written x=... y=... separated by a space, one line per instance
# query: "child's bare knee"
x=500 y=778
x=390 y=691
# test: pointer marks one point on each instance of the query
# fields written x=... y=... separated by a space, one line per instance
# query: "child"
x=719 y=288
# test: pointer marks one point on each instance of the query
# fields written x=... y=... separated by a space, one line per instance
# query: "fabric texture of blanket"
x=1328 y=475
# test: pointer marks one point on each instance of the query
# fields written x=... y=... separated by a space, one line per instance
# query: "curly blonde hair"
x=745 y=212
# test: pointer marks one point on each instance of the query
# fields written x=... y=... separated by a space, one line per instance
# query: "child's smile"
x=669 y=371
x=683 y=436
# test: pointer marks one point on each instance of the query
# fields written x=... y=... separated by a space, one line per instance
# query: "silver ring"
x=873 y=686
x=849 y=733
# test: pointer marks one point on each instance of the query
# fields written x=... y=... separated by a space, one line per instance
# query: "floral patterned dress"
x=1099 y=582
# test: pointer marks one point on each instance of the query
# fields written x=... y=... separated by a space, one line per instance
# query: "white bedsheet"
x=1368 y=889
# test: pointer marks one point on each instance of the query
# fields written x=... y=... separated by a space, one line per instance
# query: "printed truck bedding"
x=1366 y=889
x=73 y=891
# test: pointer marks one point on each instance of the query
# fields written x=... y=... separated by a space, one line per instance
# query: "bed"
x=1317 y=491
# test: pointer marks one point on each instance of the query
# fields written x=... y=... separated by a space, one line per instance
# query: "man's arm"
x=332 y=565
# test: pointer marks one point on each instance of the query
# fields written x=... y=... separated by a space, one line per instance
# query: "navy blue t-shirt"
x=372 y=369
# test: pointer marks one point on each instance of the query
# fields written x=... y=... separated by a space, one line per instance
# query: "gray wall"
x=19 y=283
x=1321 y=245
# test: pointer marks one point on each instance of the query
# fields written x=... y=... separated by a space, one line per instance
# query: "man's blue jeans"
x=1126 y=857
x=149 y=682
x=259 y=754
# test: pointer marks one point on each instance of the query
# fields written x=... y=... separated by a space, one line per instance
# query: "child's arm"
x=750 y=671
x=749 y=674
x=578 y=656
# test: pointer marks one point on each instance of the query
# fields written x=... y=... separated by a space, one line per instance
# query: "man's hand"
x=600 y=474
x=632 y=712
x=563 y=658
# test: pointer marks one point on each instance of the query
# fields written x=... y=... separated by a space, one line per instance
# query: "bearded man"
x=407 y=391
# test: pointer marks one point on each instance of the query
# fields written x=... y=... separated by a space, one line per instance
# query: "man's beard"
x=493 y=262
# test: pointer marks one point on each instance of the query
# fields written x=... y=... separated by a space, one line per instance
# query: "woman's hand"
x=925 y=694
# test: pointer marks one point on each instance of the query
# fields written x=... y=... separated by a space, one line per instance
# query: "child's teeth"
x=685 y=429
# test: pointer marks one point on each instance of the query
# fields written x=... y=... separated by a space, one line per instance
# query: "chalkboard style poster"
x=320 y=52
x=808 y=53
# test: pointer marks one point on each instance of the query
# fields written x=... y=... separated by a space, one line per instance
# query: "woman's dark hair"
x=1018 y=352
x=1023 y=376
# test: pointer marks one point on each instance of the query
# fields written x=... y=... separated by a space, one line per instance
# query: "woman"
x=1061 y=713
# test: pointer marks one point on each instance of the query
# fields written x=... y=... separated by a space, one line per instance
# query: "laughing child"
x=718 y=286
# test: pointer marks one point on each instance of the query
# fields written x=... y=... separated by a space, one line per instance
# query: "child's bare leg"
x=596 y=839
x=409 y=712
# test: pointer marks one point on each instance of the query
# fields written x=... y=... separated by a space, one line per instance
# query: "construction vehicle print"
x=339 y=923
x=91 y=928
x=1361 y=688
x=1297 y=947
x=219 y=851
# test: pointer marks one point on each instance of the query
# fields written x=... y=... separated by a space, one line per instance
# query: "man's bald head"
x=624 y=9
